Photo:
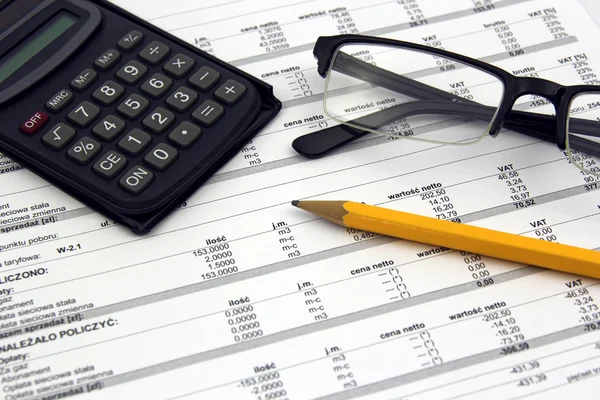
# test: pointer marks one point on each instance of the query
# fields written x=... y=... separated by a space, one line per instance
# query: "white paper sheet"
x=238 y=295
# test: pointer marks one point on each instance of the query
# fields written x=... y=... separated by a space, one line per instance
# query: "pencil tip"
x=296 y=203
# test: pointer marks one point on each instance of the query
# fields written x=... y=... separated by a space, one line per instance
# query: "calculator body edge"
x=104 y=25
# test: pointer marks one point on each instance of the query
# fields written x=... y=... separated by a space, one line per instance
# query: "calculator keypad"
x=179 y=66
x=155 y=53
x=161 y=157
x=230 y=92
x=59 y=137
x=208 y=113
x=185 y=135
x=84 y=80
x=108 y=93
x=204 y=79
x=132 y=107
x=182 y=99
x=136 y=180
x=59 y=101
x=132 y=72
x=157 y=86
x=159 y=120
x=35 y=123
x=110 y=165
x=84 y=150
x=130 y=41
x=171 y=95
x=84 y=114
x=109 y=128
x=107 y=60
x=135 y=142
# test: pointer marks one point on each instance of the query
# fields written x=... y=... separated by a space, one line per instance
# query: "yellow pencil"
x=469 y=238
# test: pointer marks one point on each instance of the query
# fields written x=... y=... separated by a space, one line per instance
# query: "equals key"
x=208 y=113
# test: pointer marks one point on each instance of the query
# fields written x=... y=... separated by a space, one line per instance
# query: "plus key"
x=231 y=92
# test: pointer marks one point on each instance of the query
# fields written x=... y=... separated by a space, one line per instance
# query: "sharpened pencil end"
x=295 y=203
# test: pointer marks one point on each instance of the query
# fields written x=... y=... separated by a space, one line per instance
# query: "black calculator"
x=121 y=115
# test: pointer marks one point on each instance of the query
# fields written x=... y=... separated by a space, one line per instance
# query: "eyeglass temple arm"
x=543 y=127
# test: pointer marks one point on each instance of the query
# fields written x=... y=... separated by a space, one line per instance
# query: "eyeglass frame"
x=552 y=128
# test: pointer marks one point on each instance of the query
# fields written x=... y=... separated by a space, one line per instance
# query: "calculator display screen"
x=35 y=43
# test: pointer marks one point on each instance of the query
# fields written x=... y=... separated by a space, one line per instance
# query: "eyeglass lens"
x=405 y=93
x=418 y=95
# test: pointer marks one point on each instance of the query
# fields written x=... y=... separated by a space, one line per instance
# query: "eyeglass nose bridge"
x=523 y=86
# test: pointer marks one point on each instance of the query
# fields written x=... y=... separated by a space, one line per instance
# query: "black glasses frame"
x=546 y=127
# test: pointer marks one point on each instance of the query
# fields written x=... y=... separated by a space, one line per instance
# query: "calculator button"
x=84 y=150
x=34 y=123
x=179 y=66
x=208 y=113
x=230 y=92
x=185 y=135
x=132 y=72
x=84 y=114
x=161 y=157
x=205 y=78
x=157 y=86
x=109 y=165
x=159 y=120
x=59 y=137
x=133 y=106
x=84 y=80
x=182 y=99
x=130 y=41
x=135 y=142
x=107 y=60
x=155 y=53
x=59 y=101
x=108 y=93
x=109 y=128
x=136 y=180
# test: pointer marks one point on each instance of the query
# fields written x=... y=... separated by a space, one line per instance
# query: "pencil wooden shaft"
x=470 y=238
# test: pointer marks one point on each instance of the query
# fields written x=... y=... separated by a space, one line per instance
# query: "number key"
x=84 y=114
x=108 y=93
x=161 y=157
x=132 y=72
x=133 y=106
x=109 y=128
x=157 y=85
x=135 y=142
x=159 y=120
x=182 y=99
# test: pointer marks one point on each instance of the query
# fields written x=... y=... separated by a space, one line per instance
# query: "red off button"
x=34 y=123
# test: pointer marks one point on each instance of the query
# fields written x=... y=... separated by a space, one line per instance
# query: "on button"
x=34 y=123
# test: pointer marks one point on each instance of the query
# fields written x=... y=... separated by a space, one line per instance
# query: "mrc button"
x=136 y=180
x=34 y=123
x=59 y=101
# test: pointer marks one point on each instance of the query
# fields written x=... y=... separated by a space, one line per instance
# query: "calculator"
x=123 y=116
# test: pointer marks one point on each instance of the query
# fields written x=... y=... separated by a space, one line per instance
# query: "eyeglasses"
x=411 y=91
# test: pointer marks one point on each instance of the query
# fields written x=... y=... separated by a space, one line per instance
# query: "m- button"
x=34 y=123
x=231 y=92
